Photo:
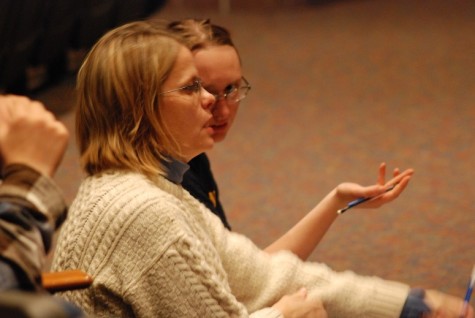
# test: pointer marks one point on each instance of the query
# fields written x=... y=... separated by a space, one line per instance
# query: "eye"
x=230 y=89
x=195 y=87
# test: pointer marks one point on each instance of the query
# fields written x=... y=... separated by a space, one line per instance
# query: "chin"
x=219 y=137
x=208 y=145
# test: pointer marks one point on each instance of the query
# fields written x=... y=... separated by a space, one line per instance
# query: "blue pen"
x=468 y=294
x=361 y=200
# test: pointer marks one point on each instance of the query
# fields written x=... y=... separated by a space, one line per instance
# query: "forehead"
x=184 y=68
x=218 y=63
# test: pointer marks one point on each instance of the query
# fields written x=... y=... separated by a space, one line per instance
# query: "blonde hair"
x=118 y=121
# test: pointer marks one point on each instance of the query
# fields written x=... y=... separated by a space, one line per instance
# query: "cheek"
x=184 y=119
x=233 y=112
x=174 y=120
x=185 y=123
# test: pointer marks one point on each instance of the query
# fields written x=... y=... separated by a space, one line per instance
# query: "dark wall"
x=37 y=35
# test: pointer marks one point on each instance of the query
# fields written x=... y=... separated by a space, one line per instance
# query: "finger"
x=382 y=173
x=17 y=104
x=7 y=113
x=389 y=196
x=6 y=108
x=396 y=172
x=303 y=292
x=400 y=176
x=398 y=189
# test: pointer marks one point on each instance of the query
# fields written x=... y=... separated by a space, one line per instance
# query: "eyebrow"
x=188 y=81
x=231 y=83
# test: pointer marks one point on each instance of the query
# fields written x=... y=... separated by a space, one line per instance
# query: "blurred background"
x=337 y=88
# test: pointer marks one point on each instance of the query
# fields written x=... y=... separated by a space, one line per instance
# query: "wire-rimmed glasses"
x=195 y=87
x=234 y=93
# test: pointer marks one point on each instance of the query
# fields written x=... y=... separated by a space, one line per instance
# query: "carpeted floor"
x=338 y=87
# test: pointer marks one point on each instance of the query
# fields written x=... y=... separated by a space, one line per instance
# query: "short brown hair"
x=199 y=33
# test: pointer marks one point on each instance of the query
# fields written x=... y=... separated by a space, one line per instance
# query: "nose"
x=221 y=108
x=207 y=99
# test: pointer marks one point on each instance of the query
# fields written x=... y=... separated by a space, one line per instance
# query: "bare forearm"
x=302 y=238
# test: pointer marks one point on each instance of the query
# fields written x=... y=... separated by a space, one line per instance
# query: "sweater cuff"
x=388 y=298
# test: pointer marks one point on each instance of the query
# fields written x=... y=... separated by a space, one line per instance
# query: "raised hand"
x=31 y=135
x=378 y=193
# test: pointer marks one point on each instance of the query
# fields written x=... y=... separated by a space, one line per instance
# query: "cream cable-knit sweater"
x=155 y=251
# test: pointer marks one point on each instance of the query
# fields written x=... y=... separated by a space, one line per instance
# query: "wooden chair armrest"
x=65 y=280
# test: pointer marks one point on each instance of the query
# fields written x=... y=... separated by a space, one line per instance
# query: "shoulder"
x=126 y=192
x=119 y=185
x=120 y=212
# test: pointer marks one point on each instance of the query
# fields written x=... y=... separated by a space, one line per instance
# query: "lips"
x=210 y=130
x=220 y=126
x=209 y=127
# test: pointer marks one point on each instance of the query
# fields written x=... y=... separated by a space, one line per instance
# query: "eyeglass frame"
x=197 y=86
x=193 y=88
x=247 y=86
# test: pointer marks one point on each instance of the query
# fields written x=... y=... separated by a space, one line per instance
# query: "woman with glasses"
x=152 y=248
x=219 y=67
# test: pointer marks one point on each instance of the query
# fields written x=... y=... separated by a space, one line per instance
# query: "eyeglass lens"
x=235 y=93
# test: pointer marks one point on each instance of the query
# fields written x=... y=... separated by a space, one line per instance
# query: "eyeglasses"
x=195 y=87
x=234 y=93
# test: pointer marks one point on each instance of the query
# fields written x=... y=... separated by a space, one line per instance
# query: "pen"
x=361 y=200
x=468 y=294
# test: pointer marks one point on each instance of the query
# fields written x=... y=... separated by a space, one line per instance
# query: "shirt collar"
x=175 y=170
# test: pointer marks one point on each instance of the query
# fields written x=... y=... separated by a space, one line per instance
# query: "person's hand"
x=297 y=305
x=30 y=135
x=347 y=191
x=445 y=306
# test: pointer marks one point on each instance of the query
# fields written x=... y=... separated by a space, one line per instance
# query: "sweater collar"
x=175 y=170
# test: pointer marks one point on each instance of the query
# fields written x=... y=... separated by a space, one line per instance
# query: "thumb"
x=302 y=292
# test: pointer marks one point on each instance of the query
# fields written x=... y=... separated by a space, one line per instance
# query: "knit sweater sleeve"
x=259 y=280
x=189 y=287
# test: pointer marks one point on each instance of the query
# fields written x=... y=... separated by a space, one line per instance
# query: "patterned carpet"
x=338 y=87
